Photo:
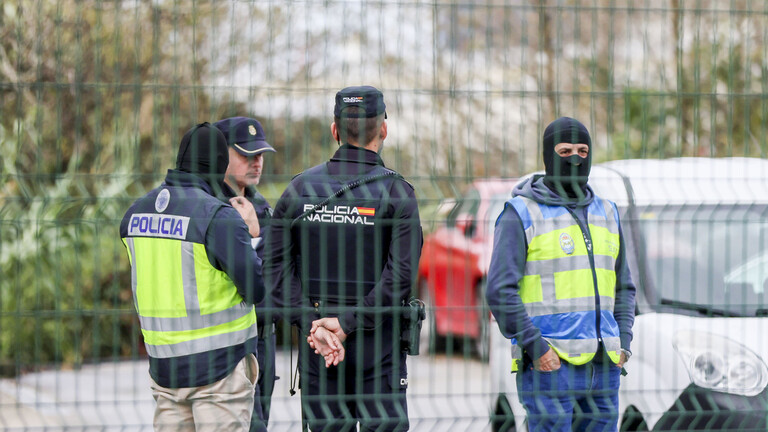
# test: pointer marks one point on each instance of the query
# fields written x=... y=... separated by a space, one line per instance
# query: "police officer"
x=349 y=230
x=560 y=288
x=247 y=146
x=195 y=278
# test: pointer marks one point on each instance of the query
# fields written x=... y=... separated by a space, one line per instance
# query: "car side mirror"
x=466 y=226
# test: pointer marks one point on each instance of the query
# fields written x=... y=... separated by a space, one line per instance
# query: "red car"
x=454 y=264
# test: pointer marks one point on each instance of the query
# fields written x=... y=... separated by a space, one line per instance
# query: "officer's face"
x=567 y=149
x=244 y=170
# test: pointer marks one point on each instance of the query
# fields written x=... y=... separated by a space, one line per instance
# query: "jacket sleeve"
x=280 y=266
x=400 y=270
x=510 y=250
x=229 y=249
x=624 y=307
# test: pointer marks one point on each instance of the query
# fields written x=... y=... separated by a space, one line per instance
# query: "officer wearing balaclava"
x=560 y=288
x=567 y=175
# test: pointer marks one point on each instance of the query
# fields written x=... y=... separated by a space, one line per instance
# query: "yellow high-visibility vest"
x=570 y=278
x=185 y=305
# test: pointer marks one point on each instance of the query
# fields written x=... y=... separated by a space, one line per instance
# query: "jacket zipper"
x=590 y=253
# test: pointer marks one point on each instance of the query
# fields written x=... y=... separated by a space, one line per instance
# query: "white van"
x=696 y=231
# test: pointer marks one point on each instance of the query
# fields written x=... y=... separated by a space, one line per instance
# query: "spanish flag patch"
x=366 y=211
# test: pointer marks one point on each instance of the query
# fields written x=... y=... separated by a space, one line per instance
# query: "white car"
x=696 y=231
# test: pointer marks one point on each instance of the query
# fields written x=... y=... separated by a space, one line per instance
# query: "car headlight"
x=721 y=364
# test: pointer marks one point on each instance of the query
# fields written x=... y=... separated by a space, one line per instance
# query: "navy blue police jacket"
x=269 y=308
x=235 y=256
x=355 y=257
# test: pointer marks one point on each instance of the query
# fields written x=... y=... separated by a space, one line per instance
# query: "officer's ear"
x=383 y=130
x=335 y=131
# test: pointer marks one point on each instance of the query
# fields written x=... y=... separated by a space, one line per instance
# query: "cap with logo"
x=368 y=98
x=245 y=135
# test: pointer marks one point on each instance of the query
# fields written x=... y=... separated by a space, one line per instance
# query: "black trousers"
x=356 y=391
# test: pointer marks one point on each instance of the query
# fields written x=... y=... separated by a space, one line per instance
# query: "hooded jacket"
x=201 y=163
x=508 y=262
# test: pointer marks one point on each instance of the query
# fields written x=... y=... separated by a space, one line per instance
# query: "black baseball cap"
x=245 y=135
x=366 y=97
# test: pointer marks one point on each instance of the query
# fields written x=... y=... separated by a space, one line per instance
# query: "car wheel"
x=633 y=420
x=483 y=341
x=502 y=419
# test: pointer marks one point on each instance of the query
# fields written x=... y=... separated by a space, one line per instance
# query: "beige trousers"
x=225 y=405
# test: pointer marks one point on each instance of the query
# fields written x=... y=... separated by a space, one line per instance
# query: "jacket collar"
x=350 y=153
x=176 y=178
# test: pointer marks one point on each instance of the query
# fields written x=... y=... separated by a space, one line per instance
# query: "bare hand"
x=331 y=324
x=248 y=213
x=325 y=343
x=548 y=362
x=622 y=360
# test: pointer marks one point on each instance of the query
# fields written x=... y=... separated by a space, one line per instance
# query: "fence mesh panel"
x=96 y=95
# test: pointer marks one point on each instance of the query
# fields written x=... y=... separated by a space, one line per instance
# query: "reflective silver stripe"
x=612 y=343
x=517 y=352
x=574 y=347
x=534 y=212
x=189 y=280
x=529 y=234
x=568 y=263
x=603 y=223
x=608 y=221
x=134 y=280
x=607 y=303
x=201 y=345
x=534 y=209
x=547 y=286
x=195 y=321
x=610 y=216
x=560 y=221
x=581 y=304
x=540 y=225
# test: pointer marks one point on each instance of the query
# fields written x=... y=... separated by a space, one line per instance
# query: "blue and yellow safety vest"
x=570 y=279
x=185 y=305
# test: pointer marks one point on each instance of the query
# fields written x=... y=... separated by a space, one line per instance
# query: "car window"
x=708 y=258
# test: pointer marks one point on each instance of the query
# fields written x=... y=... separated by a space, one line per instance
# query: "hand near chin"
x=248 y=213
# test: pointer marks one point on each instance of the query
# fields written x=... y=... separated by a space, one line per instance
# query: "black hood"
x=567 y=175
x=203 y=152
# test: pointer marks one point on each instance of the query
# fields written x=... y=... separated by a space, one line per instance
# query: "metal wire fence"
x=96 y=95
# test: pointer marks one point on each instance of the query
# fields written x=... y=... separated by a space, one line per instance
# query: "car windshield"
x=709 y=259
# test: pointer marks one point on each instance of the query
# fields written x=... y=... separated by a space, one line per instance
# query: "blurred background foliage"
x=95 y=95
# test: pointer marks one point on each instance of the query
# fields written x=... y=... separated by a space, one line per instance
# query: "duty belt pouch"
x=413 y=314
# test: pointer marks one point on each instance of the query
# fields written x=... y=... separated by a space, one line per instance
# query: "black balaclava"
x=203 y=152
x=566 y=175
